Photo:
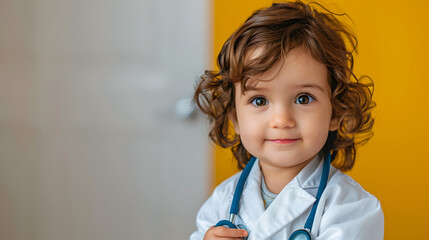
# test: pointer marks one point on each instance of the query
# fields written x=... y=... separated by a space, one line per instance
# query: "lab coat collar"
x=251 y=204
x=291 y=202
x=310 y=175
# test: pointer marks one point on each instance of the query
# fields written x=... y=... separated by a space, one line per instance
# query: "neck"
x=277 y=178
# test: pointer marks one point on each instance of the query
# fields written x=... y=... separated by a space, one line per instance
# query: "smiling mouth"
x=283 y=141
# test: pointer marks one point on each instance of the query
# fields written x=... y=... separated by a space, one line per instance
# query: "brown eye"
x=304 y=99
x=259 y=101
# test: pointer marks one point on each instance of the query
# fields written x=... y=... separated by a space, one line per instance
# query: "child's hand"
x=224 y=233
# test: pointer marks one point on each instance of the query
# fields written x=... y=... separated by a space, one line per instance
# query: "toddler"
x=286 y=84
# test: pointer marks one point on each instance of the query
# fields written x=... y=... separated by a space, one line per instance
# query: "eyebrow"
x=253 y=88
x=313 y=86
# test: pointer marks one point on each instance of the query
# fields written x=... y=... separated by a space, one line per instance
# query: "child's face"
x=285 y=121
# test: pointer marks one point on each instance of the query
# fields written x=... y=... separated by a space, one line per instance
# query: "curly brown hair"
x=278 y=29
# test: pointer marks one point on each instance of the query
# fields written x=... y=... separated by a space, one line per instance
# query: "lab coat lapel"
x=291 y=203
x=251 y=204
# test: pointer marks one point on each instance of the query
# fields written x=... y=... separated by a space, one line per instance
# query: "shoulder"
x=342 y=188
x=218 y=202
x=349 y=205
x=226 y=188
x=216 y=207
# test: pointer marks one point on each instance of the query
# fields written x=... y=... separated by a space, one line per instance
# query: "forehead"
x=298 y=67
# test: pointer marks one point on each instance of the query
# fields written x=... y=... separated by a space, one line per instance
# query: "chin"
x=289 y=161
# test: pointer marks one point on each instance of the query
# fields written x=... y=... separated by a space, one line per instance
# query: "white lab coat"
x=346 y=211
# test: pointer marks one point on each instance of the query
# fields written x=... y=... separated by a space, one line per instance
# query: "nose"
x=282 y=117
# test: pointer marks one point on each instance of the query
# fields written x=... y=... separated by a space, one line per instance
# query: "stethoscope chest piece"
x=301 y=234
x=226 y=223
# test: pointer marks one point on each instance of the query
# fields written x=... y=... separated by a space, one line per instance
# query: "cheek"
x=316 y=127
x=251 y=134
x=315 y=136
x=246 y=121
x=249 y=129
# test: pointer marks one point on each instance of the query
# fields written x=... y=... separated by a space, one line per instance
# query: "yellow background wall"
x=393 y=39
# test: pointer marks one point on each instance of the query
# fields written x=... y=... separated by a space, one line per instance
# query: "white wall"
x=90 y=144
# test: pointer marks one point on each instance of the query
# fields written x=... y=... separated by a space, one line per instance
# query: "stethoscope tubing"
x=308 y=224
x=322 y=186
x=237 y=196
x=240 y=185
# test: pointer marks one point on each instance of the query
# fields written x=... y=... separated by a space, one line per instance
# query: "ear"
x=334 y=124
x=233 y=117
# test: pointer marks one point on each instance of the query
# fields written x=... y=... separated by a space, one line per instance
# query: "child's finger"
x=229 y=232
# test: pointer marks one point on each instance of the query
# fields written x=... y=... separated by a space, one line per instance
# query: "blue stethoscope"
x=301 y=234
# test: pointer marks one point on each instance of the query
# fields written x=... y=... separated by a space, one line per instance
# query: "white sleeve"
x=207 y=216
x=358 y=220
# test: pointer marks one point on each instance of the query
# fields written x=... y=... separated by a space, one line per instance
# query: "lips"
x=283 y=141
